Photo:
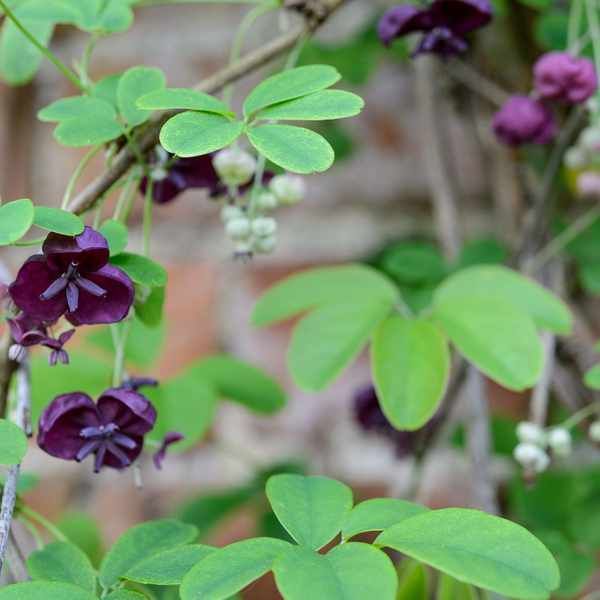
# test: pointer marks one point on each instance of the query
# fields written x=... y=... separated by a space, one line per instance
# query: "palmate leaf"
x=57 y=220
x=13 y=443
x=45 y=590
x=183 y=99
x=133 y=84
x=83 y=131
x=16 y=218
x=75 y=107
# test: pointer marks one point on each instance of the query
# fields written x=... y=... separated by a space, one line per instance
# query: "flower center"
x=70 y=282
x=103 y=439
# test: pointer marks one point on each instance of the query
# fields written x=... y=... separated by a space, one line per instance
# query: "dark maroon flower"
x=72 y=427
x=445 y=23
x=73 y=277
x=170 y=438
x=562 y=76
x=523 y=120
x=58 y=353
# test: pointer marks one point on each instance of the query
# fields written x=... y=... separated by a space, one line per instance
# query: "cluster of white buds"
x=584 y=157
x=288 y=189
x=534 y=443
x=234 y=166
x=250 y=235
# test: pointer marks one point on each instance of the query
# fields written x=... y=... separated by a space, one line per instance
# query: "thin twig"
x=538 y=406
x=468 y=76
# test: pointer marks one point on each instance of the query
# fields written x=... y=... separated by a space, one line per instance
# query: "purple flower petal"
x=401 y=20
x=170 y=438
x=27 y=331
x=129 y=410
x=461 y=16
x=89 y=250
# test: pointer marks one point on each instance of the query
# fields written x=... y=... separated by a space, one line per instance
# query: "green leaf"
x=353 y=571
x=183 y=99
x=62 y=562
x=477 y=548
x=378 y=514
x=546 y=309
x=149 y=310
x=86 y=131
x=53 y=11
x=197 y=133
x=106 y=89
x=293 y=148
x=499 y=339
x=16 y=218
x=19 y=58
x=187 y=404
x=320 y=106
x=81 y=530
x=592 y=378
x=316 y=287
x=312 y=509
x=328 y=339
x=141 y=542
x=452 y=589
x=141 y=269
x=133 y=84
x=230 y=569
x=117 y=16
x=76 y=107
x=589 y=276
x=44 y=590
x=290 y=84
x=242 y=382
x=169 y=567
x=126 y=595
x=410 y=362
x=413 y=583
x=26 y=483
x=57 y=220
x=13 y=443
x=116 y=235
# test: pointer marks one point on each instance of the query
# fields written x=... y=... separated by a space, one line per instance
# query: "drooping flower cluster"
x=444 y=25
x=534 y=442
x=559 y=77
x=583 y=158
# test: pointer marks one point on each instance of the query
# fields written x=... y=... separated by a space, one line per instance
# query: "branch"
x=315 y=12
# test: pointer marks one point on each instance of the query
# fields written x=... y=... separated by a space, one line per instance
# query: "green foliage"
x=133 y=84
x=141 y=542
x=57 y=220
x=13 y=443
x=413 y=583
x=592 y=378
x=353 y=571
x=141 y=269
x=44 y=590
x=81 y=530
x=106 y=89
x=116 y=235
x=452 y=589
x=16 y=218
x=183 y=99
x=312 y=509
x=62 y=562
x=411 y=364
x=149 y=305
x=477 y=548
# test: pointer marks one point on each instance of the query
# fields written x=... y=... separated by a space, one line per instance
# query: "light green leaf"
x=106 y=89
x=295 y=149
x=477 y=548
x=52 y=11
x=13 y=443
x=312 y=509
x=546 y=309
x=141 y=542
x=133 y=84
x=413 y=583
x=499 y=339
x=19 y=58
x=320 y=106
x=62 y=562
x=116 y=235
x=410 y=362
x=126 y=595
x=182 y=99
x=57 y=220
x=87 y=131
x=328 y=339
x=230 y=569
x=378 y=514
x=353 y=571
x=44 y=590
x=76 y=107
x=16 y=218
x=241 y=382
x=169 y=567
x=197 y=133
x=149 y=307
x=141 y=269
x=117 y=16
x=316 y=287
x=452 y=589
x=592 y=378
x=83 y=531
x=290 y=84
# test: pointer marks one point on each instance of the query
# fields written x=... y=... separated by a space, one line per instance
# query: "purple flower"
x=73 y=277
x=135 y=383
x=170 y=438
x=523 y=120
x=58 y=353
x=561 y=76
x=73 y=427
x=445 y=23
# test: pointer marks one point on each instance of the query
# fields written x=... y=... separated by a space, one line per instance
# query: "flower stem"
x=85 y=161
x=581 y=415
x=123 y=206
x=148 y=208
x=575 y=16
x=45 y=51
x=86 y=57
x=592 y=13
x=52 y=529
x=119 y=341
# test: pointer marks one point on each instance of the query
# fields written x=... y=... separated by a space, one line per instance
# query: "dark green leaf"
x=149 y=309
x=116 y=235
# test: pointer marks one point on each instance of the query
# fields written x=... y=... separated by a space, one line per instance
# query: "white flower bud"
x=265 y=245
x=264 y=227
x=559 y=440
x=576 y=158
x=594 y=431
x=590 y=139
x=158 y=174
x=531 y=457
x=530 y=433
x=230 y=212
x=17 y=353
x=288 y=189
x=588 y=185
x=234 y=166
x=238 y=229
x=266 y=201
